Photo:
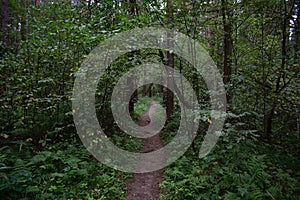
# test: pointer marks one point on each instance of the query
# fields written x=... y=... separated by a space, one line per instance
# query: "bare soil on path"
x=145 y=186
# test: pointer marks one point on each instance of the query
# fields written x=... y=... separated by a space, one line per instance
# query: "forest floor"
x=145 y=186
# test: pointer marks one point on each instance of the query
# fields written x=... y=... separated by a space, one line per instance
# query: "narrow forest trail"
x=145 y=186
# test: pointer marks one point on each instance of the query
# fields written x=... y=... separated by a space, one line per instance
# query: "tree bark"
x=297 y=33
x=150 y=90
x=228 y=44
x=170 y=84
x=132 y=7
x=144 y=90
x=134 y=97
x=23 y=21
x=170 y=63
x=281 y=75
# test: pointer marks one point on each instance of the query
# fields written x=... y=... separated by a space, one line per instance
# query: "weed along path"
x=145 y=186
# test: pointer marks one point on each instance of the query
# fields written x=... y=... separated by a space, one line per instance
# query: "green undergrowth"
x=240 y=166
x=61 y=170
x=142 y=105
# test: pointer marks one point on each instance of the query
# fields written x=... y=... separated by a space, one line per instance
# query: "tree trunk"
x=144 y=90
x=170 y=84
x=268 y=123
x=281 y=75
x=134 y=96
x=5 y=22
x=132 y=7
x=170 y=63
x=133 y=99
x=297 y=34
x=23 y=21
x=150 y=90
x=228 y=45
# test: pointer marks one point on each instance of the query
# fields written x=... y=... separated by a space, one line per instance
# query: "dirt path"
x=145 y=186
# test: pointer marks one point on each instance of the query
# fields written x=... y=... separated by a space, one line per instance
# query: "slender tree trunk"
x=37 y=2
x=162 y=92
x=170 y=83
x=270 y=115
x=150 y=90
x=23 y=21
x=5 y=22
x=228 y=44
x=268 y=123
x=265 y=93
x=134 y=97
x=132 y=5
x=297 y=50
x=144 y=90
x=170 y=63
x=297 y=34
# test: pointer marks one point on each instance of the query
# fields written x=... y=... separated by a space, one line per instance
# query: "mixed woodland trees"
x=255 y=45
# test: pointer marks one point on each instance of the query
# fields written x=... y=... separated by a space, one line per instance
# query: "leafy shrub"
x=62 y=171
x=239 y=167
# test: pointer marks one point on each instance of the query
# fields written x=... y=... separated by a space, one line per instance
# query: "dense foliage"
x=255 y=45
